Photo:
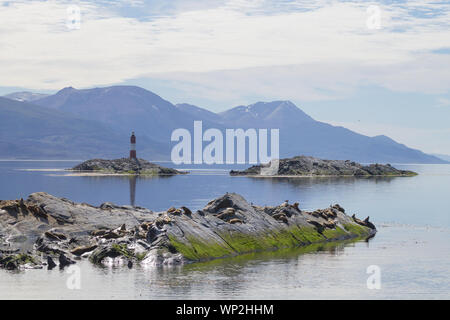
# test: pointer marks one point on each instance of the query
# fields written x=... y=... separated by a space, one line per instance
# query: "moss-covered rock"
x=260 y=231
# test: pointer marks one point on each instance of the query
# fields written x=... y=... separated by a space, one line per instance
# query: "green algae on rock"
x=48 y=227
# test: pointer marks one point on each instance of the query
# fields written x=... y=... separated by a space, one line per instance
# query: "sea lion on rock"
x=171 y=209
x=177 y=212
x=186 y=211
x=9 y=205
x=329 y=224
x=333 y=212
x=38 y=212
x=339 y=208
x=317 y=224
x=200 y=212
x=121 y=230
x=230 y=210
x=284 y=204
x=280 y=217
x=41 y=246
x=64 y=261
x=146 y=225
x=110 y=235
x=50 y=263
x=326 y=214
x=227 y=214
x=174 y=211
x=55 y=236
x=141 y=234
x=369 y=224
x=235 y=220
x=81 y=250
x=358 y=221
x=365 y=223
x=315 y=214
x=162 y=220
x=98 y=233
x=319 y=214
x=295 y=206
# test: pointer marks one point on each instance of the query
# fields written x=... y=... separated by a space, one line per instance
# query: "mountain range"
x=96 y=123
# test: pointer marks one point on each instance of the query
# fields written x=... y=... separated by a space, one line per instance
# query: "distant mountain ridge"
x=266 y=115
x=28 y=131
x=124 y=108
x=445 y=157
x=111 y=113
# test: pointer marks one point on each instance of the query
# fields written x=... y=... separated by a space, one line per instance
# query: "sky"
x=376 y=67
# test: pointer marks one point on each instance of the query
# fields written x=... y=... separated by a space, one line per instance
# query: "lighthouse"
x=133 y=146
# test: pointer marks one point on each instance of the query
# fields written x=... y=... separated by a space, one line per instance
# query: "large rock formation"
x=125 y=166
x=44 y=229
x=310 y=166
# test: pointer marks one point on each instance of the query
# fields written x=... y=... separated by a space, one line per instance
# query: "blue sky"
x=322 y=55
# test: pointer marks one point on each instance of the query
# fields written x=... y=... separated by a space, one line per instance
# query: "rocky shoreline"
x=45 y=231
x=303 y=166
x=124 y=166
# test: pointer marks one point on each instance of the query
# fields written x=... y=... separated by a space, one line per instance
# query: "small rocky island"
x=44 y=231
x=303 y=166
x=126 y=166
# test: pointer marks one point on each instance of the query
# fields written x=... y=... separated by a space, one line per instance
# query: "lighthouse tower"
x=133 y=146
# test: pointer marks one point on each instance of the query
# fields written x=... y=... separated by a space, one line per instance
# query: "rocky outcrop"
x=43 y=229
x=309 y=166
x=125 y=166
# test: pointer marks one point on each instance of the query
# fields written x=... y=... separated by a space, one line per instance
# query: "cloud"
x=443 y=102
x=304 y=49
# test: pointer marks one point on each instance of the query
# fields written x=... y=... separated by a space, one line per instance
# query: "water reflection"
x=411 y=269
x=132 y=190
x=120 y=184
x=310 y=181
x=233 y=274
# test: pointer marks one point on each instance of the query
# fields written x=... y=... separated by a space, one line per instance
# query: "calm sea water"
x=411 y=248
